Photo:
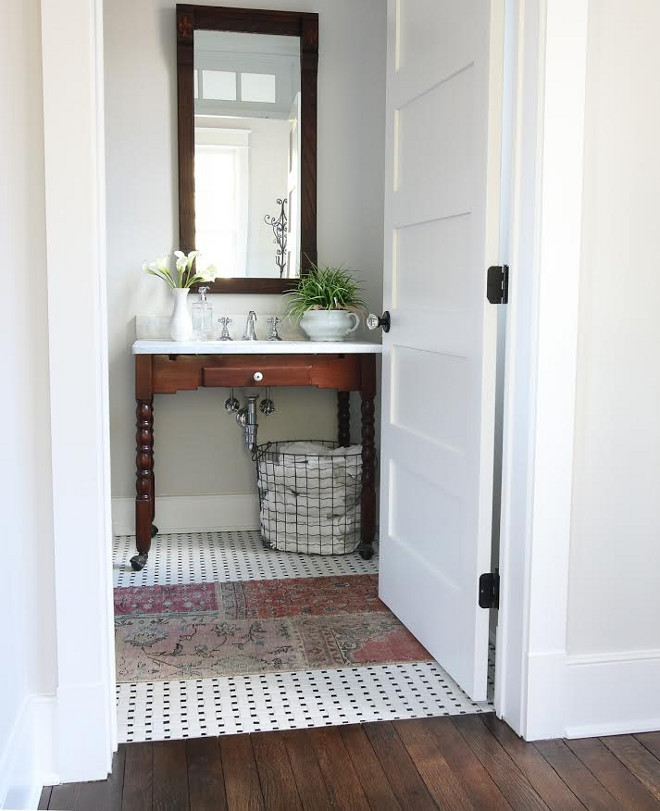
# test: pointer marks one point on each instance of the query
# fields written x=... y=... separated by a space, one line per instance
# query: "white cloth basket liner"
x=309 y=496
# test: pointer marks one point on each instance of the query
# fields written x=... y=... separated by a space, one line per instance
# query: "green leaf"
x=326 y=288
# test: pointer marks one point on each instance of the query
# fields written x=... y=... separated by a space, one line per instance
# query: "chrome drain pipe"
x=246 y=417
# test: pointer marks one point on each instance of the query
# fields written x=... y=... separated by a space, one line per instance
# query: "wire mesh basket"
x=309 y=496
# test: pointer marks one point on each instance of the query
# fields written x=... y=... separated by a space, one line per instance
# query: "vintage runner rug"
x=203 y=630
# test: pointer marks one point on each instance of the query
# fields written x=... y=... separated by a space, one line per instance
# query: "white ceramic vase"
x=329 y=325
x=181 y=328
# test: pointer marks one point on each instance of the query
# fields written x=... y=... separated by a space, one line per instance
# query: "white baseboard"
x=83 y=756
x=191 y=513
x=613 y=694
x=27 y=757
x=546 y=676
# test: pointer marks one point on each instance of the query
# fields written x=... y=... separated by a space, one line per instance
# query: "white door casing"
x=443 y=160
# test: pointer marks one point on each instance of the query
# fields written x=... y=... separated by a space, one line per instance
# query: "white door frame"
x=541 y=355
x=549 y=40
x=72 y=65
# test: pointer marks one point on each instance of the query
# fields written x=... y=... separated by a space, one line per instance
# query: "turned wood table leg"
x=152 y=479
x=344 y=418
x=145 y=493
x=368 y=499
x=144 y=482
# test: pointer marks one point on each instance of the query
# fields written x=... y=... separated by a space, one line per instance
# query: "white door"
x=444 y=96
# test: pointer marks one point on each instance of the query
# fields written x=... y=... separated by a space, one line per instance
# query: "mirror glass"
x=247 y=153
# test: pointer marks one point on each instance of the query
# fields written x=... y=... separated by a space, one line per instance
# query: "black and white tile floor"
x=152 y=711
x=200 y=557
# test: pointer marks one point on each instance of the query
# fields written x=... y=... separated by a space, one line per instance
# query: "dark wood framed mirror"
x=233 y=85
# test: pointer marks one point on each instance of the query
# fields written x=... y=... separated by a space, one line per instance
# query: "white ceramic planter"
x=329 y=325
x=181 y=328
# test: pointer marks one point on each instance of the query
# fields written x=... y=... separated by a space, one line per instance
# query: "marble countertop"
x=160 y=347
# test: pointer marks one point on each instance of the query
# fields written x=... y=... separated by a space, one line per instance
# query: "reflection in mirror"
x=247 y=153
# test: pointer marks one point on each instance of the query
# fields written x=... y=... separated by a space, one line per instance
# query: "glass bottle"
x=202 y=316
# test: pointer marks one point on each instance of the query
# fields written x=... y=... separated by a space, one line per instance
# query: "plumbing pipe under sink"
x=246 y=417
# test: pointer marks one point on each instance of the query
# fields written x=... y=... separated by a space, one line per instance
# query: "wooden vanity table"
x=165 y=367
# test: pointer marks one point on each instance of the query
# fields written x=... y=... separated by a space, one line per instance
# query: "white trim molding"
x=27 y=759
x=541 y=361
x=613 y=694
x=191 y=513
x=86 y=721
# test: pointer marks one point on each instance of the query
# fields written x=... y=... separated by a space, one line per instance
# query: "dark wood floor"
x=468 y=761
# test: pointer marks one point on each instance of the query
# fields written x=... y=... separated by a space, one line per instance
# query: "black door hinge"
x=489 y=590
x=497 y=284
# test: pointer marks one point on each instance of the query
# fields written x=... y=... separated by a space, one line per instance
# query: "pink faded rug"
x=226 y=629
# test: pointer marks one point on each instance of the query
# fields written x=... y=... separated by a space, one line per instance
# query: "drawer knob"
x=258 y=377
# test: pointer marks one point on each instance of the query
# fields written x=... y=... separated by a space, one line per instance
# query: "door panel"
x=441 y=233
x=413 y=286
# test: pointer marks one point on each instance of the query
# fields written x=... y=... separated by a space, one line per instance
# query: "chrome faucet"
x=250 y=333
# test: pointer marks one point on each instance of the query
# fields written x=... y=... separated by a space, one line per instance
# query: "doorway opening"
x=220 y=635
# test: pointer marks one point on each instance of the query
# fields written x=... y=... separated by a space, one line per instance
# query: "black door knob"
x=374 y=321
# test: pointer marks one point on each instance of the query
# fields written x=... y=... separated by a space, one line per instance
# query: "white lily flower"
x=184 y=276
x=207 y=273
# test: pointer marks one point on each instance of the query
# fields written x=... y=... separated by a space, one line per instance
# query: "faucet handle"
x=274 y=335
x=225 y=321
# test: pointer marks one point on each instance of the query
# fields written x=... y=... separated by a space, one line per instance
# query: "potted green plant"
x=326 y=301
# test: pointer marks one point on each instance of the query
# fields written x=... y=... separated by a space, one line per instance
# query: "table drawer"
x=340 y=372
x=257 y=374
x=185 y=372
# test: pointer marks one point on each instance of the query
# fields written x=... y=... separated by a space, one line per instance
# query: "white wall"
x=27 y=595
x=615 y=555
x=198 y=448
x=614 y=599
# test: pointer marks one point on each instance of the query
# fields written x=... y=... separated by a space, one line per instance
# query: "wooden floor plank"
x=241 y=775
x=337 y=769
x=368 y=769
x=116 y=779
x=513 y=784
x=79 y=796
x=638 y=759
x=651 y=741
x=206 y=780
x=440 y=780
x=312 y=789
x=616 y=778
x=278 y=785
x=457 y=762
x=406 y=782
x=101 y=795
x=138 y=777
x=576 y=776
x=44 y=799
x=474 y=778
x=170 y=781
x=542 y=777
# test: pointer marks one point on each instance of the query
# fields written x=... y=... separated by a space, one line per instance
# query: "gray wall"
x=199 y=449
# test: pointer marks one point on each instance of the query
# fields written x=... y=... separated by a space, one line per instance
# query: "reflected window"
x=219 y=85
x=221 y=204
x=258 y=87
